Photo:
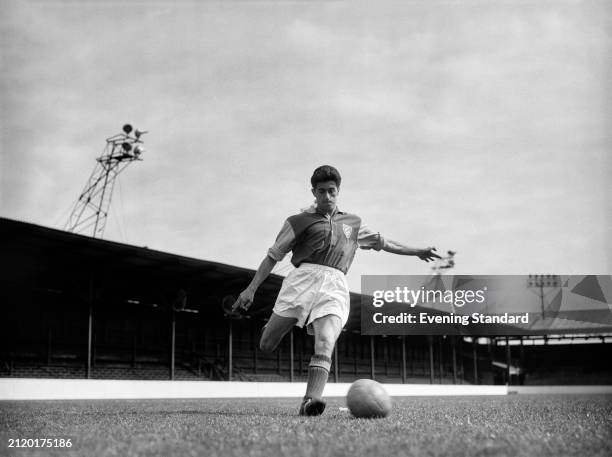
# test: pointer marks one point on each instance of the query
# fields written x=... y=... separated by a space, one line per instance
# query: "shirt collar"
x=313 y=209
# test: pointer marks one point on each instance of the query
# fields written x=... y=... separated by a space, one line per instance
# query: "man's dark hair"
x=325 y=173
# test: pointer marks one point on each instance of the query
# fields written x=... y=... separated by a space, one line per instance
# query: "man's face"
x=326 y=194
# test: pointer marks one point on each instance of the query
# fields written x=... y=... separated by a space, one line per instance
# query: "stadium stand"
x=78 y=307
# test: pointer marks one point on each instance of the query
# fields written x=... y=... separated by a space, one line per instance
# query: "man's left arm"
x=396 y=247
x=368 y=239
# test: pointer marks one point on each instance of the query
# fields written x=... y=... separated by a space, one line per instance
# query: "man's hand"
x=244 y=301
x=428 y=254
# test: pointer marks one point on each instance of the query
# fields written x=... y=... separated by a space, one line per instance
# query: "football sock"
x=318 y=371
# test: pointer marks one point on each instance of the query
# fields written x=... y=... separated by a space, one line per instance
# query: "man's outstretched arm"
x=369 y=239
x=245 y=299
x=396 y=247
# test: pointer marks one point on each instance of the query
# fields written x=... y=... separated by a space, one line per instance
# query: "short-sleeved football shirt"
x=318 y=238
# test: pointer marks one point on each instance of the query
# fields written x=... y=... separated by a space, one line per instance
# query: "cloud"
x=310 y=37
x=465 y=124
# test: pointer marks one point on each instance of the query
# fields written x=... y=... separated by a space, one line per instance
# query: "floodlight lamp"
x=138 y=150
x=127 y=128
x=127 y=147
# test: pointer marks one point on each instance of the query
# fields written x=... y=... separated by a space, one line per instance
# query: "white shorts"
x=312 y=291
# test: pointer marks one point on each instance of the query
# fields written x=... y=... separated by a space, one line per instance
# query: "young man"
x=323 y=240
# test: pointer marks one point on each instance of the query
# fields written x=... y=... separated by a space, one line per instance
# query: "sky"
x=478 y=126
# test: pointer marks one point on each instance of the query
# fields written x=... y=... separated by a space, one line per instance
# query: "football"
x=368 y=399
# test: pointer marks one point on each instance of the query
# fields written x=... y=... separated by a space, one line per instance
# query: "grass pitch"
x=517 y=425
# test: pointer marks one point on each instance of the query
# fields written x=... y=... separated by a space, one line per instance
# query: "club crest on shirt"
x=347 y=229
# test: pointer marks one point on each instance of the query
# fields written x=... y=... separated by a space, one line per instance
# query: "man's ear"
x=313 y=193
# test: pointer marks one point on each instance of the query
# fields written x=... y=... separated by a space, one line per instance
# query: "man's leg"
x=274 y=331
x=326 y=332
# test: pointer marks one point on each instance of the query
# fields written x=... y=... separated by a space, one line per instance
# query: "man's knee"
x=266 y=344
x=325 y=344
x=274 y=331
x=327 y=330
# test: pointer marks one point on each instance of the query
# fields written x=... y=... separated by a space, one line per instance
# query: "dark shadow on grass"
x=99 y=414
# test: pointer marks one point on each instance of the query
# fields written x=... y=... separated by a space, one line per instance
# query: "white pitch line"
x=66 y=389
x=81 y=389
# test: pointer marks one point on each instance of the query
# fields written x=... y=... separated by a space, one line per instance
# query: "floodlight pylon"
x=93 y=205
